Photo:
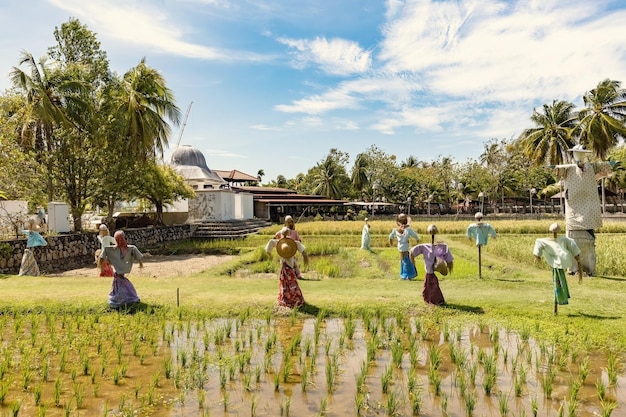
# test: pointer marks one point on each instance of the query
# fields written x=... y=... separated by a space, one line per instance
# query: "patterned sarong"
x=289 y=293
x=122 y=292
x=29 y=264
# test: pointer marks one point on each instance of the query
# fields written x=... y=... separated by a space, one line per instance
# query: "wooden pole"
x=480 y=266
x=177 y=297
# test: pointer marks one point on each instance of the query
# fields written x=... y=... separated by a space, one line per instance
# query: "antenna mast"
x=182 y=129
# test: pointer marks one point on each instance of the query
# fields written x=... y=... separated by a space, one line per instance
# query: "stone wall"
x=71 y=251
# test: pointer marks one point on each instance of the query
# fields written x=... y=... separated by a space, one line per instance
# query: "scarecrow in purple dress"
x=121 y=256
x=437 y=258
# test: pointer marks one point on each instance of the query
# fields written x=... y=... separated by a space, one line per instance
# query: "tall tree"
x=143 y=105
x=77 y=150
x=330 y=175
x=551 y=138
x=602 y=121
x=46 y=93
x=359 y=177
x=161 y=185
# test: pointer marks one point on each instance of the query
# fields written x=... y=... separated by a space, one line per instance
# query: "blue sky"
x=276 y=84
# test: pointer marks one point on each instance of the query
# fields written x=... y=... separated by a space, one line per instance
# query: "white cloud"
x=222 y=153
x=335 y=56
x=331 y=100
x=149 y=27
x=264 y=127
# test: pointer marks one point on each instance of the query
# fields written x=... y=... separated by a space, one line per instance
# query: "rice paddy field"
x=365 y=344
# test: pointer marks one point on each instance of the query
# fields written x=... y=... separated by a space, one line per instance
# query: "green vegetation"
x=62 y=349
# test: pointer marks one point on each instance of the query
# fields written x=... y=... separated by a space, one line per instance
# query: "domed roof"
x=190 y=163
x=188 y=155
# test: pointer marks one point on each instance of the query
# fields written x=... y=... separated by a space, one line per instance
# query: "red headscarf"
x=120 y=239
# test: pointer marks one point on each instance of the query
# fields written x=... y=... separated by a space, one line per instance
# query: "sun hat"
x=286 y=247
x=478 y=215
x=103 y=227
x=554 y=227
x=108 y=241
x=441 y=266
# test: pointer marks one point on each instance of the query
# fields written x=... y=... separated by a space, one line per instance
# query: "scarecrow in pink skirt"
x=289 y=293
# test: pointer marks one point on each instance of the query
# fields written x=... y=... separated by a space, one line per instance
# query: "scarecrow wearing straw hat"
x=289 y=293
x=437 y=258
x=582 y=204
x=559 y=252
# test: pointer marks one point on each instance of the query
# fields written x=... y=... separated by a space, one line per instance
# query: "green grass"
x=343 y=280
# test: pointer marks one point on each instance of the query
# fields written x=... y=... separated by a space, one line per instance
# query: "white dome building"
x=214 y=200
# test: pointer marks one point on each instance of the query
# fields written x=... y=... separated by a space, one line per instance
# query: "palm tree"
x=359 y=177
x=47 y=93
x=142 y=105
x=551 y=139
x=260 y=174
x=327 y=179
x=602 y=121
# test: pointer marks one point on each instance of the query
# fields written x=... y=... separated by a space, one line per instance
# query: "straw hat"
x=286 y=247
x=441 y=266
x=478 y=215
x=108 y=241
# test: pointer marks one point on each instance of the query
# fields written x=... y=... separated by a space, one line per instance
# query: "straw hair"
x=554 y=227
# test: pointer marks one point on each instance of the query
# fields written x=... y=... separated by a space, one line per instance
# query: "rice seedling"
x=14 y=407
x=37 y=393
x=285 y=405
x=601 y=389
x=607 y=407
x=323 y=407
x=469 y=401
x=79 y=394
x=360 y=402
x=392 y=404
x=201 y=395
x=253 y=405
x=385 y=379
x=503 y=405
x=613 y=367
x=56 y=394
x=534 y=405
x=547 y=382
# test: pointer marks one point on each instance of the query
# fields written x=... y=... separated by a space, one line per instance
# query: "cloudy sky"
x=275 y=84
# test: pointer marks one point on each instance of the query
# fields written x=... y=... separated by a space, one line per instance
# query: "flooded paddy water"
x=57 y=364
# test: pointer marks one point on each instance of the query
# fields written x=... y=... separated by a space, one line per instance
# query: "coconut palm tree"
x=359 y=177
x=551 y=138
x=47 y=94
x=328 y=178
x=602 y=121
x=143 y=105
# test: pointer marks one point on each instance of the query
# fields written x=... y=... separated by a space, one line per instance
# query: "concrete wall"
x=71 y=251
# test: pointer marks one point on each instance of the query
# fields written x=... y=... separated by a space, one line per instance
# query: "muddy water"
x=372 y=366
x=387 y=387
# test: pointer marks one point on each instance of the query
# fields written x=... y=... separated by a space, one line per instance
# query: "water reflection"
x=375 y=366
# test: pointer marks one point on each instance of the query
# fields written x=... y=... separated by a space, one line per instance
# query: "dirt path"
x=160 y=265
